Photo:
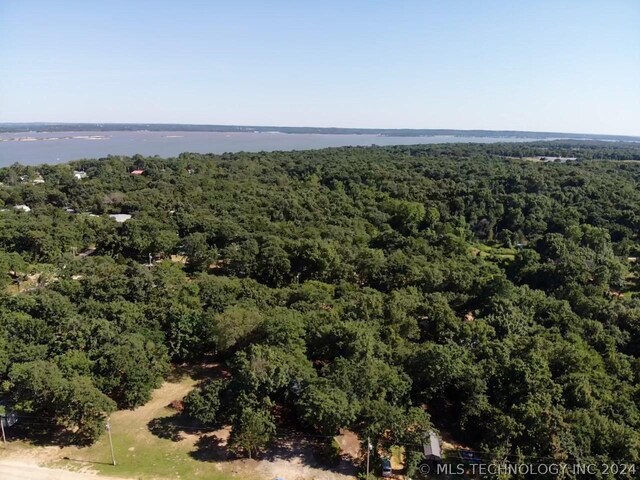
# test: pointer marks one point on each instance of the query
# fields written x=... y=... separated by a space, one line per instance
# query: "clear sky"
x=556 y=65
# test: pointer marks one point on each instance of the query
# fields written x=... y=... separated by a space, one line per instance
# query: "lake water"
x=58 y=147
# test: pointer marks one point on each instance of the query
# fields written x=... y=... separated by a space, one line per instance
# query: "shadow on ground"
x=88 y=462
x=211 y=448
x=45 y=435
x=175 y=427
x=211 y=442
x=208 y=370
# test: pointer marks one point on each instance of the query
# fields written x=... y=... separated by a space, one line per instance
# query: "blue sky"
x=571 y=66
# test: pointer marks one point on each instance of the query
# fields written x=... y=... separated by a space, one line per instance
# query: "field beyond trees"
x=383 y=292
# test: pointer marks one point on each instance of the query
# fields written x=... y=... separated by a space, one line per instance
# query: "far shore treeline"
x=468 y=289
x=386 y=132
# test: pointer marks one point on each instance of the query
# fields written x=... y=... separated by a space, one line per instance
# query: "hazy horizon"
x=542 y=66
x=323 y=127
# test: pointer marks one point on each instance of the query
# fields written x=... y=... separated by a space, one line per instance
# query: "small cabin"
x=120 y=217
x=137 y=172
x=432 y=448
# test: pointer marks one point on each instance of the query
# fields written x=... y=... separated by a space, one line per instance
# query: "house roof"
x=120 y=217
x=137 y=172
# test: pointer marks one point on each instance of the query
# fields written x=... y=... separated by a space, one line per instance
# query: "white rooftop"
x=120 y=217
x=432 y=447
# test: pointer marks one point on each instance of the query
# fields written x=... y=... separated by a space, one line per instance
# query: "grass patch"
x=155 y=442
x=493 y=252
x=632 y=285
x=397 y=459
x=139 y=453
x=140 y=459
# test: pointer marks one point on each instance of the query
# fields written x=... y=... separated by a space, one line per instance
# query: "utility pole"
x=113 y=457
x=368 y=450
x=4 y=439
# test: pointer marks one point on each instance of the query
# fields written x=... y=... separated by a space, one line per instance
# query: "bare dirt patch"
x=16 y=470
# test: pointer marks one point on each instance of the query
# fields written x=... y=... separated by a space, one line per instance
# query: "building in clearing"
x=79 y=174
x=557 y=159
x=120 y=217
x=432 y=448
x=23 y=208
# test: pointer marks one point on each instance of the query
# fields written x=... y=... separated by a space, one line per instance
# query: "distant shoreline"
x=41 y=127
x=36 y=148
x=39 y=136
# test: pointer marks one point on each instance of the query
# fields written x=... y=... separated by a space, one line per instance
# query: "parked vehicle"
x=386 y=467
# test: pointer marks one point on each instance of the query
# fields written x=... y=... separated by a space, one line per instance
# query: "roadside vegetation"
x=387 y=291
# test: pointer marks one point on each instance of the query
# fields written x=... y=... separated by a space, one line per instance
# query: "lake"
x=37 y=148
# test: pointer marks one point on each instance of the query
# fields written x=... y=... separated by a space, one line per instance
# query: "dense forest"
x=467 y=289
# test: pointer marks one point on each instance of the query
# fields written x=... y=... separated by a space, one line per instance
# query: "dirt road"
x=11 y=470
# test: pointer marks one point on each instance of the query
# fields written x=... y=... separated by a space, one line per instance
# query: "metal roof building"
x=432 y=447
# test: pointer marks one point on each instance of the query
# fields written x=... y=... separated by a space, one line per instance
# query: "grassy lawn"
x=139 y=453
x=152 y=443
x=632 y=289
x=632 y=284
x=397 y=459
x=159 y=458
x=493 y=252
